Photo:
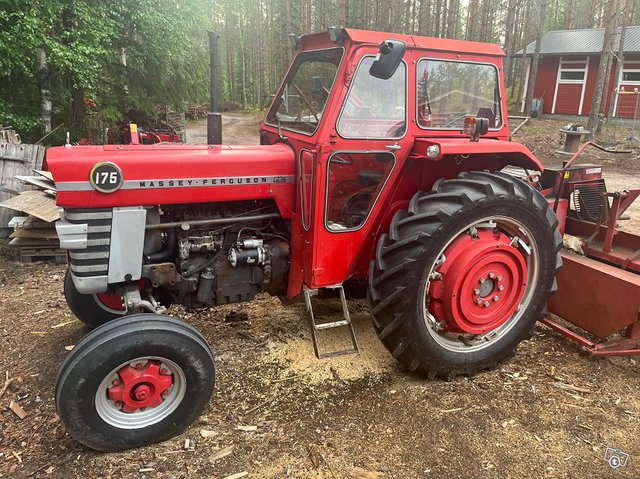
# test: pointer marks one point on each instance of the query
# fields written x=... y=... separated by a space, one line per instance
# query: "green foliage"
x=164 y=43
x=122 y=55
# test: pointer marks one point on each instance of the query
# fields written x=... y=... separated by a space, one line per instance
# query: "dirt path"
x=239 y=128
x=551 y=412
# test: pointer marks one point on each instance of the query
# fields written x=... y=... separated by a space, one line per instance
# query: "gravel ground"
x=549 y=412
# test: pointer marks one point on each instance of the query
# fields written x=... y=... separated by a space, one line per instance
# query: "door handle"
x=394 y=147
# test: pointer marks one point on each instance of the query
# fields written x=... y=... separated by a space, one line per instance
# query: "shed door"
x=570 y=86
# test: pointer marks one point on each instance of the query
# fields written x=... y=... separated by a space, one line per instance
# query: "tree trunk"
x=536 y=56
x=509 y=36
x=45 y=87
x=452 y=18
x=626 y=16
x=593 y=124
x=522 y=72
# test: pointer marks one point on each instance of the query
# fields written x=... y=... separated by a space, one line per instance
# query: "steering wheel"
x=307 y=102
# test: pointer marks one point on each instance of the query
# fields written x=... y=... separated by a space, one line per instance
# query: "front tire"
x=134 y=381
x=464 y=274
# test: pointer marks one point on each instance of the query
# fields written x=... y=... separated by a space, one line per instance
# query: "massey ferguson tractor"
x=381 y=166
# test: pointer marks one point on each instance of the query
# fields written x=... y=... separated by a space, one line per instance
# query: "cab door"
x=356 y=172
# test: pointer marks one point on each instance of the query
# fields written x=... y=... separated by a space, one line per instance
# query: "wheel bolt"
x=500 y=288
x=487 y=304
x=118 y=404
x=139 y=366
x=478 y=301
x=115 y=382
x=476 y=291
x=481 y=280
x=491 y=275
x=165 y=394
x=496 y=298
x=499 y=278
x=165 y=372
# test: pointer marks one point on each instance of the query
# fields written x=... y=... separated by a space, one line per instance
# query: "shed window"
x=572 y=75
x=631 y=76
x=572 y=71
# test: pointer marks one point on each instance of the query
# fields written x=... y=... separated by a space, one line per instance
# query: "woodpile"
x=196 y=112
x=8 y=135
x=34 y=234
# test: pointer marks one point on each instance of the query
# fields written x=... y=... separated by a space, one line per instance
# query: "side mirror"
x=388 y=59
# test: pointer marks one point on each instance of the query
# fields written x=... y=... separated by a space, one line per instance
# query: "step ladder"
x=317 y=327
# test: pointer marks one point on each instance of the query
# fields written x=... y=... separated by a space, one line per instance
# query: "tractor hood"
x=142 y=175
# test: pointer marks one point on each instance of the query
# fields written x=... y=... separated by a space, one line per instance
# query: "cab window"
x=450 y=90
x=301 y=101
x=354 y=182
x=375 y=108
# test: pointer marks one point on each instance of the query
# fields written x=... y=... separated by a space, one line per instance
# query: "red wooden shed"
x=568 y=70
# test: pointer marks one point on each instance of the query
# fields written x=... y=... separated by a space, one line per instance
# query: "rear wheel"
x=92 y=309
x=136 y=380
x=464 y=274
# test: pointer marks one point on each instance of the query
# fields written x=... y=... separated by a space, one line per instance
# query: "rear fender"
x=421 y=171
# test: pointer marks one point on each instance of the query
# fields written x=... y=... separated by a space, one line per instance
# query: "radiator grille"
x=94 y=259
x=589 y=202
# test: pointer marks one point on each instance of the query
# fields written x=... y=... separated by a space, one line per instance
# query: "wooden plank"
x=30 y=222
x=29 y=255
x=35 y=233
x=34 y=243
x=31 y=157
x=35 y=203
x=37 y=181
x=46 y=174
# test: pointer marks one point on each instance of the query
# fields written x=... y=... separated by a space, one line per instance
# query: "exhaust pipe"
x=214 y=119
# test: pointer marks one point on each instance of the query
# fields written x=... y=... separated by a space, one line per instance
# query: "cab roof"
x=412 y=41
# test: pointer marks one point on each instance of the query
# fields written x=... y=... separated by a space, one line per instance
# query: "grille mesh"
x=589 y=202
x=94 y=259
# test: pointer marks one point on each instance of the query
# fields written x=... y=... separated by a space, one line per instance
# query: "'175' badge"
x=106 y=177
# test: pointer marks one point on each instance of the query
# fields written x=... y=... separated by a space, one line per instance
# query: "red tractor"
x=379 y=170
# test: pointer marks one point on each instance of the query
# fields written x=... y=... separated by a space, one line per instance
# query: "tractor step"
x=316 y=326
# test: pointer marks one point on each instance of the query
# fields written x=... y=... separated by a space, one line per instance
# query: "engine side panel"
x=168 y=174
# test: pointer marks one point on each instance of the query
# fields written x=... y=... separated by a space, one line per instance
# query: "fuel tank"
x=141 y=175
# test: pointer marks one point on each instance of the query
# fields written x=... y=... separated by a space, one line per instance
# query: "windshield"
x=448 y=91
x=301 y=101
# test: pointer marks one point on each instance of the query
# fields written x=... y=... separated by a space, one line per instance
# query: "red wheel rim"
x=483 y=281
x=140 y=387
x=111 y=301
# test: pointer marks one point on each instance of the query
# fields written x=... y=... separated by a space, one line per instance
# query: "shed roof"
x=584 y=41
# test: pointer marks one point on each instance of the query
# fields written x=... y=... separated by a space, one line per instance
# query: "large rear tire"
x=92 y=309
x=463 y=275
x=134 y=381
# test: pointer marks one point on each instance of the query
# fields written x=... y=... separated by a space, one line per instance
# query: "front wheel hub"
x=482 y=282
x=139 y=386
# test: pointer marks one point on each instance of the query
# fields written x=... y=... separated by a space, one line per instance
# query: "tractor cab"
x=372 y=116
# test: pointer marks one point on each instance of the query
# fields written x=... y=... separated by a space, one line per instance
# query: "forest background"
x=87 y=63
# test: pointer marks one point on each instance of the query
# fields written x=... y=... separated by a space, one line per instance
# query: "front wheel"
x=464 y=274
x=134 y=381
x=92 y=309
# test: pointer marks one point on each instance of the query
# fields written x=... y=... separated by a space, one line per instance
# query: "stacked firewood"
x=34 y=234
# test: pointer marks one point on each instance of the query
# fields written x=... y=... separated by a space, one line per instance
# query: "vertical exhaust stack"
x=214 y=119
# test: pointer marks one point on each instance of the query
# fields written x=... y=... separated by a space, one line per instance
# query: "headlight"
x=433 y=151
